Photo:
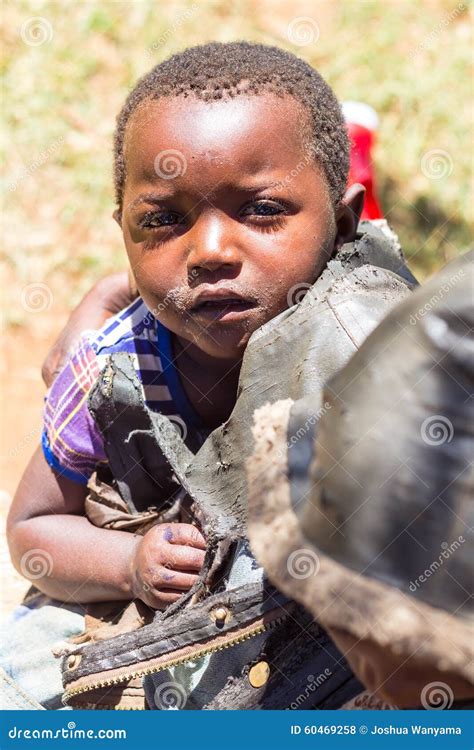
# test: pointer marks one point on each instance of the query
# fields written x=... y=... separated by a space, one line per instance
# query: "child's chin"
x=223 y=344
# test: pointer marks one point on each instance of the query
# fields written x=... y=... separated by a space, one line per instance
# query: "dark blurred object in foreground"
x=367 y=519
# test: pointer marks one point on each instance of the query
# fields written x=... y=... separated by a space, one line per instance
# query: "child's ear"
x=118 y=217
x=348 y=215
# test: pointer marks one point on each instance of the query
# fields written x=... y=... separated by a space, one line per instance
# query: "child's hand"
x=166 y=563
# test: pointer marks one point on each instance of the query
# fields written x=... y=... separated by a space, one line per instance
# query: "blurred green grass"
x=409 y=60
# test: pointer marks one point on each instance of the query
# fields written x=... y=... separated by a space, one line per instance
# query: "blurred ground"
x=67 y=67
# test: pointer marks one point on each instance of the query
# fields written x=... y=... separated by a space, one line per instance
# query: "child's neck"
x=209 y=383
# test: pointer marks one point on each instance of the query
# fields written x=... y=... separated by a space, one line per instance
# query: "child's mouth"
x=223 y=309
x=222 y=304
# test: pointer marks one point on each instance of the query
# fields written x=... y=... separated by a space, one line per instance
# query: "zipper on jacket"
x=204 y=651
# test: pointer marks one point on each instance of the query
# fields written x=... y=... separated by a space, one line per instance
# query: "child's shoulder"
x=124 y=331
x=72 y=443
x=132 y=330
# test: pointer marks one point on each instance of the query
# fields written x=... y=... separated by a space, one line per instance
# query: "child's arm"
x=48 y=533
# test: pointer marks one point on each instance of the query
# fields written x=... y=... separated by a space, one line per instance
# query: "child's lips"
x=222 y=303
x=226 y=309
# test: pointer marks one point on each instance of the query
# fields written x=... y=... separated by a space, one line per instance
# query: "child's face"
x=219 y=235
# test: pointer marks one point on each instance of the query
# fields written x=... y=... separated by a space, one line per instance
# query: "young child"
x=231 y=162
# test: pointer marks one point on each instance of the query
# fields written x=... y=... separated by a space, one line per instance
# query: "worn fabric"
x=13 y=698
x=31 y=676
x=201 y=678
x=381 y=530
x=358 y=287
x=409 y=386
x=71 y=441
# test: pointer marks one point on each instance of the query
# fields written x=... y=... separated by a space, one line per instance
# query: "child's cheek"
x=153 y=277
x=154 y=294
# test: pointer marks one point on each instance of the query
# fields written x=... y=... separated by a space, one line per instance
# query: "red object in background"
x=361 y=125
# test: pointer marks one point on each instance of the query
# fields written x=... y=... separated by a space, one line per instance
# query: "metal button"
x=220 y=615
x=259 y=674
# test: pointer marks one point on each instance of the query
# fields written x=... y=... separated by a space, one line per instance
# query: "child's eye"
x=263 y=208
x=157 y=219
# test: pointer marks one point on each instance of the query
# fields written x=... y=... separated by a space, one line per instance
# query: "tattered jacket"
x=233 y=641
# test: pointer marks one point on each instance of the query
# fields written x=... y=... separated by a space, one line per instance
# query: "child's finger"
x=161 y=599
x=184 y=533
x=170 y=580
x=177 y=557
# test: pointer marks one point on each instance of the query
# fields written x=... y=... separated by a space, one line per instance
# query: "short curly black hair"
x=216 y=70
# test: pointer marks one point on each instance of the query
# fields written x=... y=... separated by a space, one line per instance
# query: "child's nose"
x=212 y=244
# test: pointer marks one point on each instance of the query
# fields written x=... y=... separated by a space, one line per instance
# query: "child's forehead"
x=263 y=127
